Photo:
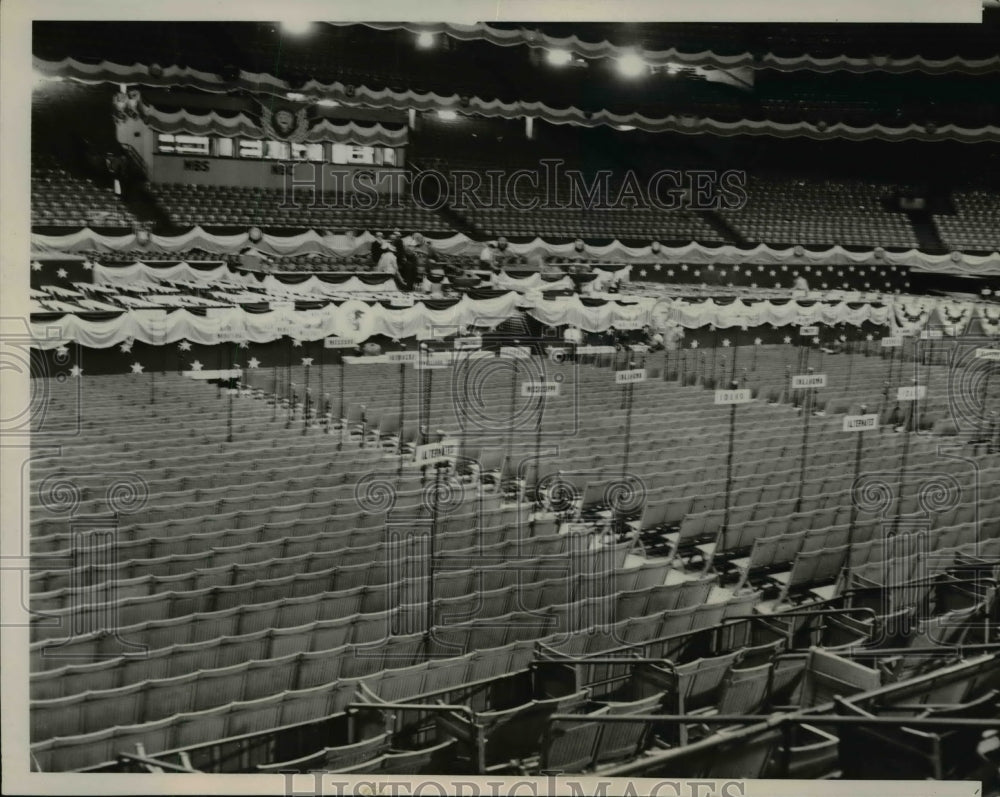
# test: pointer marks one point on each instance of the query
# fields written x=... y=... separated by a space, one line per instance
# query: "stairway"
x=928 y=237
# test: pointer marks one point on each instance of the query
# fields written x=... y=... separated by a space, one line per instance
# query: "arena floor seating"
x=270 y=606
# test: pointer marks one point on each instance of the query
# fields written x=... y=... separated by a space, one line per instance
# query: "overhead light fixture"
x=295 y=96
x=327 y=103
x=296 y=27
x=425 y=39
x=625 y=128
x=558 y=57
x=631 y=65
x=41 y=79
x=673 y=69
x=447 y=116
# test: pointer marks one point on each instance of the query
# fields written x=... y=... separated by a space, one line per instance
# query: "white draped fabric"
x=359 y=320
x=692 y=315
x=352 y=319
x=460 y=244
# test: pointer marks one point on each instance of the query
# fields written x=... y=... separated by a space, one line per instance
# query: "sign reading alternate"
x=629 y=377
x=988 y=354
x=911 y=393
x=808 y=380
x=860 y=423
x=338 y=343
x=535 y=389
x=403 y=356
x=740 y=396
x=436 y=452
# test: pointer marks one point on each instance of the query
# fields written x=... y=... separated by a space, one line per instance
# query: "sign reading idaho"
x=808 y=380
x=739 y=396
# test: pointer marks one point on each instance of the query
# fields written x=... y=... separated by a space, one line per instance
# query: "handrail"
x=154 y=762
x=353 y=708
x=777 y=720
x=725 y=623
x=136 y=159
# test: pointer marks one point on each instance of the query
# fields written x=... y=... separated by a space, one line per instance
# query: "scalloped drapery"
x=85 y=240
x=347 y=94
x=242 y=125
x=505 y=37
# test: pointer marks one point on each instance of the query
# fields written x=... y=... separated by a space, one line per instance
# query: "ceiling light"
x=631 y=65
x=558 y=57
x=296 y=27
x=447 y=116
x=327 y=103
x=425 y=39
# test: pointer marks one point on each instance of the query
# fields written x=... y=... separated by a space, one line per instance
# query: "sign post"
x=229 y=412
x=307 y=362
x=911 y=394
x=274 y=391
x=735 y=395
x=990 y=356
x=288 y=382
x=433 y=539
x=809 y=382
x=858 y=424
x=339 y=343
x=513 y=404
x=627 y=379
x=402 y=409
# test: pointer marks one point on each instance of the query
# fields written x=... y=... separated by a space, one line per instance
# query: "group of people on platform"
x=406 y=258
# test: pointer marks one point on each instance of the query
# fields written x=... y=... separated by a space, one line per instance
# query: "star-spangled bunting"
x=787 y=339
x=296 y=342
x=62 y=351
x=869 y=338
x=253 y=362
x=757 y=342
x=126 y=347
x=76 y=370
x=694 y=344
x=136 y=368
x=61 y=273
x=307 y=361
x=36 y=266
x=184 y=346
x=244 y=344
x=642 y=272
x=725 y=343
x=196 y=366
x=87 y=265
x=670 y=273
x=657 y=267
